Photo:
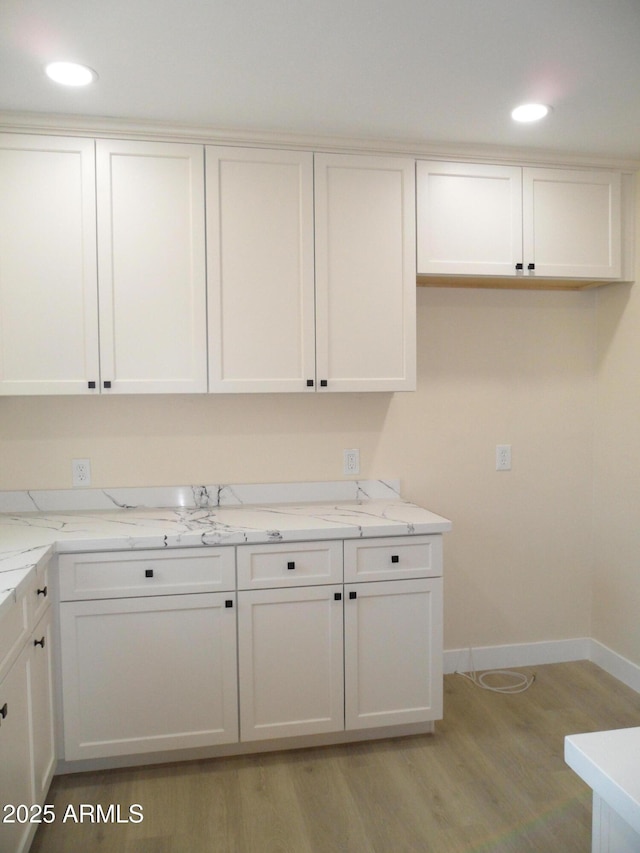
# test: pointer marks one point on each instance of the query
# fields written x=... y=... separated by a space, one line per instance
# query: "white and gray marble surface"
x=196 y=516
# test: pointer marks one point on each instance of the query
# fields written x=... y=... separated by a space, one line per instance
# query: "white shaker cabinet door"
x=148 y=674
x=151 y=262
x=16 y=787
x=260 y=270
x=572 y=223
x=365 y=273
x=393 y=652
x=48 y=278
x=290 y=662
x=41 y=699
x=469 y=218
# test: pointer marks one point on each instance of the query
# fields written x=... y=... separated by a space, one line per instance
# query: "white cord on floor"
x=522 y=682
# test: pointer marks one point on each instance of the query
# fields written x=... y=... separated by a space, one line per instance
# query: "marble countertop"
x=95 y=520
x=608 y=763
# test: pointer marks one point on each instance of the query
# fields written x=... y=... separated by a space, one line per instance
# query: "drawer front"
x=121 y=574
x=14 y=629
x=296 y=564
x=41 y=596
x=394 y=558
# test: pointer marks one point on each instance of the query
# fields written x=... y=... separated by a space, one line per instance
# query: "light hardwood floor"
x=492 y=778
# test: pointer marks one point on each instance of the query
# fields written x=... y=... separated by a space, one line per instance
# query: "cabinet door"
x=365 y=273
x=148 y=674
x=15 y=754
x=48 y=277
x=151 y=260
x=572 y=223
x=260 y=270
x=42 y=705
x=469 y=218
x=290 y=662
x=393 y=652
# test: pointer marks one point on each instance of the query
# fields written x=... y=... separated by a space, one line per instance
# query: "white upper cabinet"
x=469 y=218
x=260 y=269
x=151 y=261
x=486 y=220
x=365 y=273
x=572 y=223
x=48 y=279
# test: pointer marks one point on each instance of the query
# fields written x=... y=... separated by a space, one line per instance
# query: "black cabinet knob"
x=107 y=383
x=4 y=711
x=531 y=266
x=291 y=565
x=228 y=603
x=519 y=266
x=309 y=383
x=91 y=384
x=337 y=596
x=395 y=558
x=39 y=643
x=148 y=573
x=323 y=383
x=353 y=595
x=42 y=591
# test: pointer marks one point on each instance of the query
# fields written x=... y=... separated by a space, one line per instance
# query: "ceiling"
x=419 y=71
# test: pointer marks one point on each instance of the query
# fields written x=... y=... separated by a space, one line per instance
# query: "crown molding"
x=82 y=125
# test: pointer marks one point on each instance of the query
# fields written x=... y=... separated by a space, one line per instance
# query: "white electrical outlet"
x=503 y=457
x=351 y=460
x=80 y=473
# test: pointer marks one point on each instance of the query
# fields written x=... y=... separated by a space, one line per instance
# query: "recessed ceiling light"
x=70 y=73
x=530 y=112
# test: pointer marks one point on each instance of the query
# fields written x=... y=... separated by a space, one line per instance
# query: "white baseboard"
x=536 y=654
x=613 y=663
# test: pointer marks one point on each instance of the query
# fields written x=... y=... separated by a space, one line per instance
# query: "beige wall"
x=616 y=581
x=494 y=367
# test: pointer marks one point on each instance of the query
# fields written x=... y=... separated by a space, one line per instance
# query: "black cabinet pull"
x=519 y=266
x=148 y=573
x=309 y=383
x=42 y=591
x=531 y=266
x=228 y=603
x=4 y=711
x=91 y=383
x=395 y=558
x=323 y=383
x=353 y=595
x=39 y=643
x=337 y=596
x=291 y=565
x=107 y=383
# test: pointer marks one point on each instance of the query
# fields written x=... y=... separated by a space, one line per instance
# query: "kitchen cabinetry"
x=147 y=664
x=393 y=631
x=48 y=277
x=27 y=746
x=290 y=637
x=365 y=273
x=492 y=220
x=151 y=260
x=271 y=327
x=260 y=269
x=296 y=658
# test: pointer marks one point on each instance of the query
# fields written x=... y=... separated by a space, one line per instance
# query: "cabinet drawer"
x=14 y=628
x=41 y=595
x=121 y=575
x=310 y=563
x=393 y=558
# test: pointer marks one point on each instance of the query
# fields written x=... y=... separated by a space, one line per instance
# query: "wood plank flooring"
x=492 y=778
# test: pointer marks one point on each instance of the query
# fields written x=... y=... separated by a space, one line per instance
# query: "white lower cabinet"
x=15 y=754
x=148 y=674
x=27 y=746
x=393 y=652
x=331 y=637
x=290 y=661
